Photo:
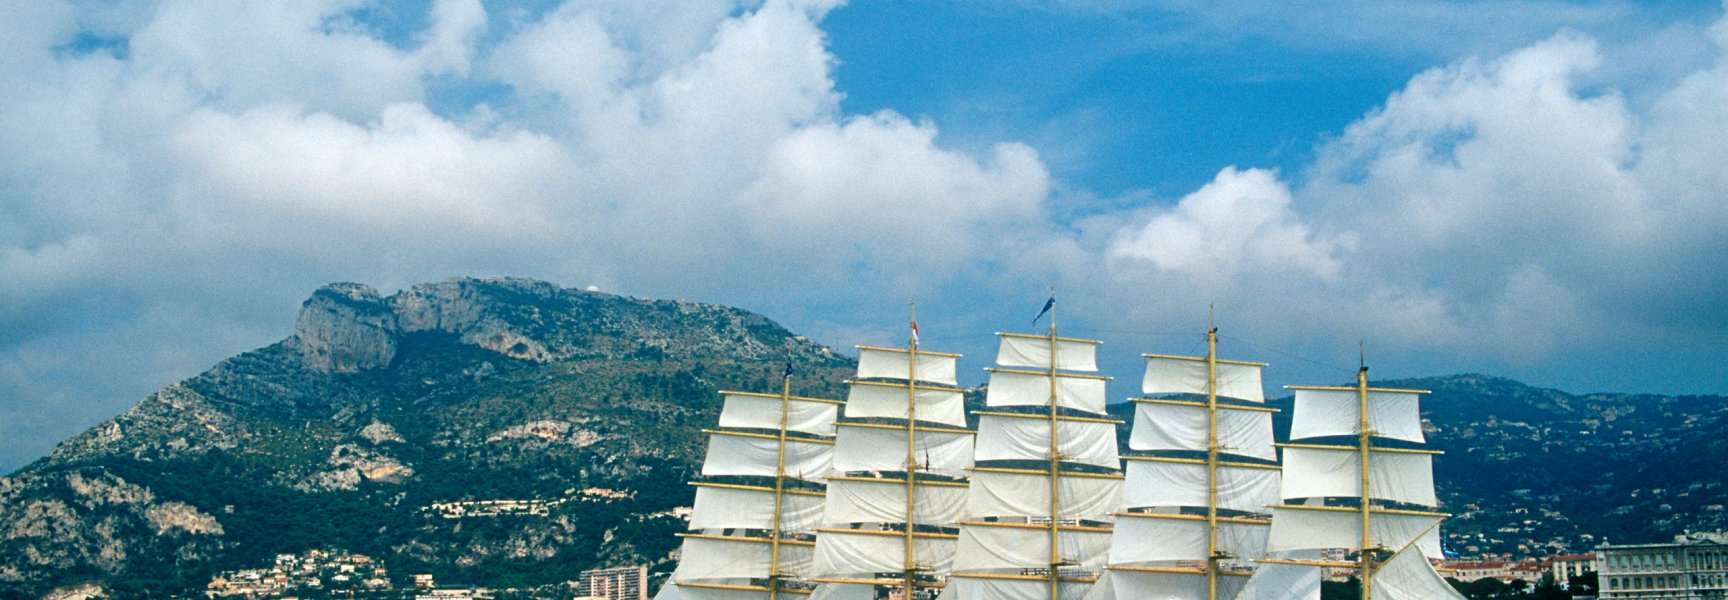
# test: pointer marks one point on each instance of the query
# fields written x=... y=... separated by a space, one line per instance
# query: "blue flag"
x=789 y=370
x=1047 y=306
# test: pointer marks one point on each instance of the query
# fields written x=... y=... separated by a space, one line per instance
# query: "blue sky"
x=1109 y=115
x=1528 y=188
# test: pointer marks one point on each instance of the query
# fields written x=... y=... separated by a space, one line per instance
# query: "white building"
x=621 y=583
x=1693 y=567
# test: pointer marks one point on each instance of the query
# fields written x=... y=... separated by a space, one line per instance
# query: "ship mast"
x=1202 y=467
x=889 y=517
x=911 y=560
x=1212 y=463
x=1363 y=431
x=779 y=485
x=1055 y=470
x=1048 y=473
x=1392 y=525
x=751 y=525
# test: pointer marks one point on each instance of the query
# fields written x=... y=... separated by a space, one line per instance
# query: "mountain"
x=345 y=434
x=377 y=407
x=1531 y=471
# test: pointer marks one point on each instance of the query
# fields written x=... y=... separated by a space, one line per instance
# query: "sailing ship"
x=898 y=483
x=1201 y=472
x=1384 y=513
x=759 y=499
x=1047 y=478
x=889 y=491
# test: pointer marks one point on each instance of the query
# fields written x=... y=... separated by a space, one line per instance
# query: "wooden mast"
x=1055 y=469
x=1366 y=575
x=911 y=565
x=779 y=484
x=1212 y=463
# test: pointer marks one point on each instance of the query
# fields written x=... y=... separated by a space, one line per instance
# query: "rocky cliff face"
x=346 y=432
x=344 y=328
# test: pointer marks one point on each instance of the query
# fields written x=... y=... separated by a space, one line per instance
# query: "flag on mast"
x=914 y=332
x=1048 y=304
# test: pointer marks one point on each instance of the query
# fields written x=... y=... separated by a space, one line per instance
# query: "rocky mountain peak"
x=350 y=327
x=477 y=311
x=346 y=327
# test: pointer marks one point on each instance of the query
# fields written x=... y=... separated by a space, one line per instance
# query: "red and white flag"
x=914 y=332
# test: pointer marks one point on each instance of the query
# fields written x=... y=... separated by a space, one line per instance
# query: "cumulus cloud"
x=1500 y=208
x=252 y=151
x=176 y=176
x=1242 y=220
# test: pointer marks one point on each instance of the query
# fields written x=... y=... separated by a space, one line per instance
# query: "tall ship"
x=759 y=499
x=889 y=493
x=898 y=483
x=1386 y=514
x=1047 y=477
x=1202 y=472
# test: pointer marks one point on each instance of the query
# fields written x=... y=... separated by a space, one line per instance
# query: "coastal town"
x=340 y=574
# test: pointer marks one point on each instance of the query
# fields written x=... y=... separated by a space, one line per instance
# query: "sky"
x=1526 y=188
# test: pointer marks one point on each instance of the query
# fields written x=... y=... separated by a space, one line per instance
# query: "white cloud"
x=409 y=171
x=1240 y=221
x=1493 y=210
x=878 y=191
x=252 y=151
x=237 y=155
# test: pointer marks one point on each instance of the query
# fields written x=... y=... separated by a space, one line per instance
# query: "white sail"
x=1166 y=374
x=864 y=552
x=875 y=447
x=1149 y=538
x=736 y=557
x=997 y=546
x=1003 y=436
x=1336 y=471
x=1182 y=482
x=875 y=399
x=669 y=591
x=752 y=507
x=674 y=591
x=1030 y=388
x=1123 y=584
x=1033 y=351
x=737 y=538
x=1282 y=582
x=871 y=500
x=1026 y=493
x=697 y=591
x=1018 y=588
x=1320 y=413
x=1409 y=576
x=867 y=515
x=1322 y=527
x=734 y=453
x=1005 y=552
x=892 y=363
x=1170 y=425
x=762 y=411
